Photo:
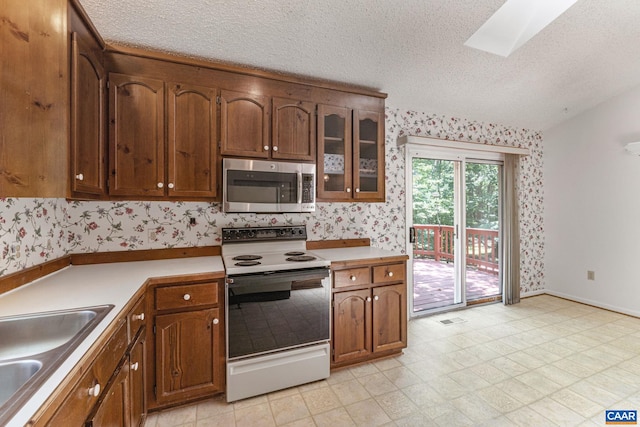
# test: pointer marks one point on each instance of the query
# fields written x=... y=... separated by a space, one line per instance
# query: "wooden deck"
x=433 y=284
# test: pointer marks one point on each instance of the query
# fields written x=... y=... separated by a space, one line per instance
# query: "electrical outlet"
x=15 y=250
x=591 y=275
x=152 y=235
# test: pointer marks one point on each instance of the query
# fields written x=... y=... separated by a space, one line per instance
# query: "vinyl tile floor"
x=543 y=362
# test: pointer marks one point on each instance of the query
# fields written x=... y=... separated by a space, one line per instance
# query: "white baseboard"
x=533 y=293
x=598 y=304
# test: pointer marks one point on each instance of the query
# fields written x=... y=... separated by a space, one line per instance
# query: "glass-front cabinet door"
x=368 y=156
x=334 y=153
x=350 y=154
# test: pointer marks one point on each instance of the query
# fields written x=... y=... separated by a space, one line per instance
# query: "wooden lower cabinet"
x=188 y=343
x=137 y=389
x=369 y=316
x=112 y=409
x=108 y=389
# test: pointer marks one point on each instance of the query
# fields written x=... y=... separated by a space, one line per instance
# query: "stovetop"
x=279 y=248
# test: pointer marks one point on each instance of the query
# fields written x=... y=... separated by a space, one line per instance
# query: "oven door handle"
x=277 y=276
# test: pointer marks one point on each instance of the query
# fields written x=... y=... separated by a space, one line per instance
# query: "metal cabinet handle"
x=80 y=177
x=170 y=185
x=368 y=299
x=138 y=316
x=134 y=366
x=352 y=278
x=160 y=185
x=216 y=321
x=186 y=297
x=95 y=390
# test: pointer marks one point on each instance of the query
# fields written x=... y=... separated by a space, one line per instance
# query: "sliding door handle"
x=412 y=235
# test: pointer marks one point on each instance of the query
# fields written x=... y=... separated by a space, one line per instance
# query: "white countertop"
x=355 y=253
x=89 y=285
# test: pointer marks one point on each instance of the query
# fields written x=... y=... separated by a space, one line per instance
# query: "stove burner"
x=247 y=263
x=246 y=258
x=294 y=253
x=301 y=258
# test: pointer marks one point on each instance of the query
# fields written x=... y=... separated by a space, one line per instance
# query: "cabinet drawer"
x=186 y=296
x=389 y=273
x=136 y=318
x=351 y=277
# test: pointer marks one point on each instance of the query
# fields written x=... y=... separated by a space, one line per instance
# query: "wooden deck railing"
x=436 y=241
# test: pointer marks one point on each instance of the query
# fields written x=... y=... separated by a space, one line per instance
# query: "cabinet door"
x=368 y=156
x=187 y=346
x=192 y=140
x=334 y=153
x=137 y=398
x=87 y=118
x=244 y=125
x=113 y=409
x=351 y=325
x=136 y=136
x=389 y=317
x=294 y=130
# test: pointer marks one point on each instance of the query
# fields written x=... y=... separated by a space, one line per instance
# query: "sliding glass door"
x=454 y=219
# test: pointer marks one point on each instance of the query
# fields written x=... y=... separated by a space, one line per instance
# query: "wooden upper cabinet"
x=88 y=81
x=136 y=136
x=244 y=125
x=294 y=130
x=334 y=153
x=368 y=156
x=192 y=141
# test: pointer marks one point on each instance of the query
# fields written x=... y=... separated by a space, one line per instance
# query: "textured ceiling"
x=411 y=49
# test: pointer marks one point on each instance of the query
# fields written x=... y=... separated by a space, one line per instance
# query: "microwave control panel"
x=308 y=188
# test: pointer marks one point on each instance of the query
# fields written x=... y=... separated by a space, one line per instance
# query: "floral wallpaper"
x=33 y=231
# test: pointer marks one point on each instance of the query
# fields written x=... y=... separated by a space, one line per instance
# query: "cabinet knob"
x=266 y=148
x=348 y=189
x=357 y=190
x=186 y=297
x=352 y=278
x=138 y=317
x=170 y=185
x=216 y=321
x=275 y=148
x=160 y=185
x=376 y=298
x=95 y=390
x=390 y=273
x=80 y=177
x=134 y=366
x=368 y=299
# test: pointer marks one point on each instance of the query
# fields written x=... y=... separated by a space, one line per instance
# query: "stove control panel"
x=264 y=234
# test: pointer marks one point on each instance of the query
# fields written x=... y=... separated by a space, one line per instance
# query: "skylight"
x=515 y=23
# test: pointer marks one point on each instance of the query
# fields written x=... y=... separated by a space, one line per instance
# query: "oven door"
x=272 y=311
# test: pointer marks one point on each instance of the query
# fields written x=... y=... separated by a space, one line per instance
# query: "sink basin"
x=38 y=333
x=14 y=375
x=33 y=346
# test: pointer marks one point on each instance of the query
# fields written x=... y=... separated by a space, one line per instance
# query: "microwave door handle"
x=299 y=174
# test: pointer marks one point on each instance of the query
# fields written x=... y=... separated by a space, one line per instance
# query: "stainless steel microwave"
x=266 y=186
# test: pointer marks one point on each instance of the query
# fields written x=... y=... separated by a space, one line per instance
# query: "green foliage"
x=433 y=193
